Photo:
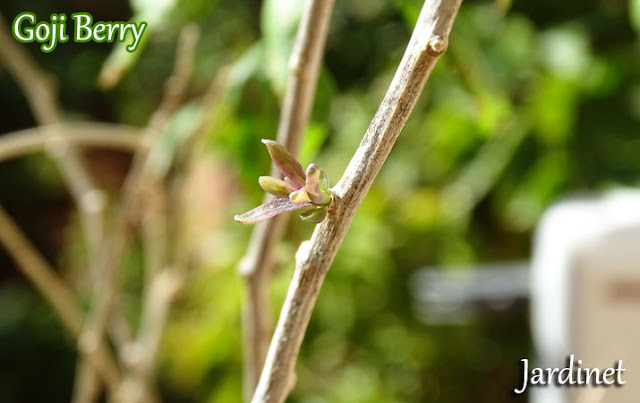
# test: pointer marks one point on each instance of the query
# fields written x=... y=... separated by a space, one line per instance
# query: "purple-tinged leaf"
x=314 y=215
x=275 y=186
x=269 y=210
x=300 y=196
x=317 y=184
x=286 y=163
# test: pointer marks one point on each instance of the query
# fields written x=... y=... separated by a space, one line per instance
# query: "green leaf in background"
x=553 y=110
x=566 y=52
x=315 y=136
x=634 y=14
x=410 y=10
x=279 y=22
x=536 y=190
x=203 y=335
x=183 y=123
x=157 y=14
x=249 y=65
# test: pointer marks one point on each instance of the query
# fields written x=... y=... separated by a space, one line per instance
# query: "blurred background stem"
x=257 y=265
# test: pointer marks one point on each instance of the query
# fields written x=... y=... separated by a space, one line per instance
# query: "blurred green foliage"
x=533 y=101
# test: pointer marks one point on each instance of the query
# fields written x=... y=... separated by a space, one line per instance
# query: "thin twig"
x=139 y=175
x=256 y=266
x=17 y=144
x=99 y=135
x=116 y=242
x=59 y=296
x=87 y=386
x=168 y=256
x=37 y=139
x=40 y=92
x=141 y=355
x=37 y=86
x=40 y=273
x=162 y=280
x=314 y=257
x=215 y=94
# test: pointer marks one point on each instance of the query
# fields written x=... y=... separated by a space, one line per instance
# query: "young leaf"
x=300 y=196
x=314 y=215
x=275 y=186
x=286 y=163
x=268 y=210
x=317 y=185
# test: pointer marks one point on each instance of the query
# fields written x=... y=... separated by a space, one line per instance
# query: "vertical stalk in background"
x=163 y=278
x=129 y=211
x=257 y=264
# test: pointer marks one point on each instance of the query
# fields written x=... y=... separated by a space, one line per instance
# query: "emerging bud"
x=298 y=191
x=314 y=215
x=300 y=196
x=275 y=186
x=286 y=163
x=317 y=185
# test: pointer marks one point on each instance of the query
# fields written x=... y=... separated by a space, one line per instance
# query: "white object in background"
x=584 y=248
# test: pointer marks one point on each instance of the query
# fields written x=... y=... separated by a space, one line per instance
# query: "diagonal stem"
x=314 y=257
